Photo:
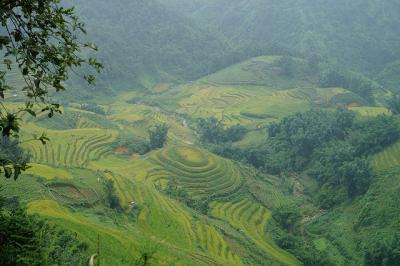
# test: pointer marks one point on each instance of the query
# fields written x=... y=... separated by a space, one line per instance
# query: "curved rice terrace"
x=163 y=217
x=203 y=175
x=212 y=242
x=251 y=218
x=73 y=147
x=171 y=159
x=252 y=106
x=234 y=226
x=233 y=232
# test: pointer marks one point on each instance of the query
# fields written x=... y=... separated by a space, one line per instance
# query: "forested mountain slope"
x=363 y=34
x=142 y=42
x=241 y=132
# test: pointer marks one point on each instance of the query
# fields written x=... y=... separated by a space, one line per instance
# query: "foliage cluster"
x=383 y=250
x=332 y=147
x=354 y=82
x=40 y=39
x=180 y=194
x=362 y=39
x=29 y=240
x=288 y=232
x=286 y=63
x=157 y=138
x=13 y=159
x=213 y=131
x=112 y=199
x=91 y=107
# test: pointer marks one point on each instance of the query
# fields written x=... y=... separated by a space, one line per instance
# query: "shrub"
x=158 y=136
x=213 y=131
x=111 y=195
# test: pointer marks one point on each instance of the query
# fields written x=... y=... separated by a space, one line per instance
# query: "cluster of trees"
x=288 y=233
x=383 y=250
x=112 y=199
x=156 y=43
x=213 y=131
x=13 y=159
x=157 y=137
x=337 y=30
x=354 y=82
x=332 y=147
x=29 y=240
x=394 y=104
x=287 y=66
x=91 y=107
x=39 y=39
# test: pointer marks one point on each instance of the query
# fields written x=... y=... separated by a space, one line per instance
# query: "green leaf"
x=31 y=112
x=8 y=63
x=43 y=139
x=7 y=171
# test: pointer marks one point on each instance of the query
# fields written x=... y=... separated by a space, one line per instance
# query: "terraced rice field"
x=261 y=71
x=49 y=172
x=200 y=173
x=252 y=106
x=73 y=147
x=388 y=158
x=68 y=193
x=164 y=217
x=218 y=97
x=212 y=242
x=251 y=218
x=141 y=118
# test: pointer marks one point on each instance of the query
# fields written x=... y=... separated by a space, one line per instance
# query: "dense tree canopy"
x=211 y=130
x=158 y=136
x=332 y=147
x=361 y=34
x=383 y=250
x=29 y=240
x=40 y=39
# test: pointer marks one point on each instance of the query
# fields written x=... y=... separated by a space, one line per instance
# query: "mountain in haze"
x=362 y=34
x=141 y=42
x=145 y=42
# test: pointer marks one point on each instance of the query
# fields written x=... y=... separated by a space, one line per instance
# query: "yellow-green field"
x=198 y=172
x=66 y=178
x=65 y=183
x=252 y=218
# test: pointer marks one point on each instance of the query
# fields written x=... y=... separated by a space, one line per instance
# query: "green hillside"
x=359 y=35
x=66 y=184
x=142 y=43
x=220 y=133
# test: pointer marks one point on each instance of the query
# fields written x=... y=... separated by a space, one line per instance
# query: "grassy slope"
x=349 y=228
x=65 y=183
x=65 y=187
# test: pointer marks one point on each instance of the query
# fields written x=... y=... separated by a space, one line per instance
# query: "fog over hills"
x=219 y=133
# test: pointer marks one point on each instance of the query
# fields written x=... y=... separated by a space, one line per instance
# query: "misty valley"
x=170 y=132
